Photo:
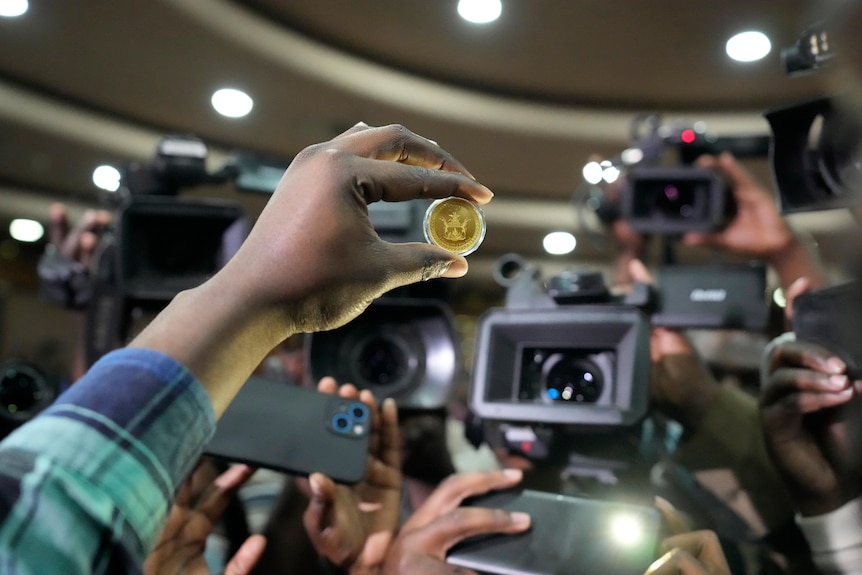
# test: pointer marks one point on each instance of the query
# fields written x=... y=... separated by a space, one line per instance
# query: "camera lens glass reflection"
x=676 y=201
x=20 y=390
x=575 y=379
x=381 y=361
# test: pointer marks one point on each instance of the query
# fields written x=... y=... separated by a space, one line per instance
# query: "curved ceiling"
x=523 y=102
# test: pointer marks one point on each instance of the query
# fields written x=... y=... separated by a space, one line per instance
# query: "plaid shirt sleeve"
x=86 y=486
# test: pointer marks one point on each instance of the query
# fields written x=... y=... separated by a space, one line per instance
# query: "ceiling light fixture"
x=13 y=8
x=232 y=103
x=25 y=230
x=480 y=11
x=748 y=46
x=559 y=243
x=107 y=178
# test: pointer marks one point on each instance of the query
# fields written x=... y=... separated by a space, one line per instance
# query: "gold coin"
x=455 y=224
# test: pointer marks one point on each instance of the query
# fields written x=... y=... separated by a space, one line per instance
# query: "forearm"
x=730 y=437
x=797 y=260
x=218 y=333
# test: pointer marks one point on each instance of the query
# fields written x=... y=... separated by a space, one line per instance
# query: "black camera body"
x=160 y=244
x=25 y=390
x=816 y=153
x=403 y=348
x=676 y=200
x=578 y=365
x=568 y=352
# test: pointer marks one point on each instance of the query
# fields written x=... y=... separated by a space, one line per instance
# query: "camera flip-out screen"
x=578 y=365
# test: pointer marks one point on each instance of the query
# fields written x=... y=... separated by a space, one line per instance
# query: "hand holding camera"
x=757 y=229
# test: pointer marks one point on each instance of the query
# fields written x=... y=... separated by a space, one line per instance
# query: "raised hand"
x=441 y=522
x=352 y=526
x=198 y=506
x=313 y=260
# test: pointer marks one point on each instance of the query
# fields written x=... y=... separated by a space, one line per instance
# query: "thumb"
x=415 y=262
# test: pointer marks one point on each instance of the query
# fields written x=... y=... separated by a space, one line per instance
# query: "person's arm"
x=313 y=260
x=85 y=487
x=757 y=229
x=109 y=457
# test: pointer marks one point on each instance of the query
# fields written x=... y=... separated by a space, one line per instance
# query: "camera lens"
x=573 y=379
x=381 y=361
x=341 y=422
x=676 y=201
x=359 y=412
x=21 y=389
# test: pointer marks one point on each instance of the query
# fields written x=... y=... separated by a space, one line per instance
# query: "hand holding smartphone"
x=568 y=535
x=294 y=430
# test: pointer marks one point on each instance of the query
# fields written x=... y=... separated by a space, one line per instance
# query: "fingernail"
x=456 y=269
x=316 y=487
x=837 y=382
x=513 y=473
x=361 y=124
x=389 y=403
x=835 y=365
x=519 y=519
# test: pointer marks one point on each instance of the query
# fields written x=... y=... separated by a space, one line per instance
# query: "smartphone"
x=568 y=535
x=295 y=430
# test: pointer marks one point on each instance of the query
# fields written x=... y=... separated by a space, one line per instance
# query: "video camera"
x=568 y=352
x=25 y=390
x=160 y=243
x=816 y=153
x=662 y=199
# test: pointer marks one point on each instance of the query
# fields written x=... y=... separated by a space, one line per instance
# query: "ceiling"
x=523 y=102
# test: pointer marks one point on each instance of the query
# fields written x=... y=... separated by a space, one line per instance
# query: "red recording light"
x=688 y=136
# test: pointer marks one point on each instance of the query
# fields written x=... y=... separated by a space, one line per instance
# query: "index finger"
x=803 y=354
x=456 y=488
x=446 y=531
x=396 y=143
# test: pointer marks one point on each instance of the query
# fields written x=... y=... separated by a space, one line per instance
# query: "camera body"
x=160 y=243
x=676 y=200
x=578 y=365
x=403 y=348
x=25 y=390
x=567 y=352
x=816 y=154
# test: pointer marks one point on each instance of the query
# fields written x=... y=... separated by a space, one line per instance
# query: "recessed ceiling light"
x=25 y=230
x=232 y=103
x=480 y=11
x=748 y=46
x=107 y=178
x=559 y=243
x=13 y=8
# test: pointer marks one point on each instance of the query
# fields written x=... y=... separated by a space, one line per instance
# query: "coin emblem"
x=455 y=224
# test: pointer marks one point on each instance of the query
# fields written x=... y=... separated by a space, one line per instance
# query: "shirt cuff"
x=835 y=538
